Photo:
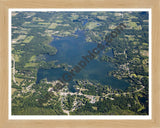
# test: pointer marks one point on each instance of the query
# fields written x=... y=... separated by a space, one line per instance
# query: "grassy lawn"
x=66 y=33
x=37 y=19
x=134 y=25
x=59 y=21
x=53 y=26
x=21 y=37
x=91 y=25
x=16 y=57
x=13 y=90
x=44 y=23
x=30 y=65
x=74 y=16
x=28 y=39
x=102 y=17
x=94 y=13
x=33 y=58
x=19 y=80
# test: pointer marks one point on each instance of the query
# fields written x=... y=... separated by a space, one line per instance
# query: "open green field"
x=28 y=39
x=91 y=25
x=53 y=26
x=102 y=17
x=30 y=65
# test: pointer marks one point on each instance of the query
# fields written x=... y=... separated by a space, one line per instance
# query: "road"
x=91 y=96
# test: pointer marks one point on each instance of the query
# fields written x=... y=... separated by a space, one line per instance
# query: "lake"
x=70 y=51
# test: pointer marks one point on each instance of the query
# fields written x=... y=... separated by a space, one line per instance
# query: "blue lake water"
x=70 y=51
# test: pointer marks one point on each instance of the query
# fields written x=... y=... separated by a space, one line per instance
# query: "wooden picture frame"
x=5 y=5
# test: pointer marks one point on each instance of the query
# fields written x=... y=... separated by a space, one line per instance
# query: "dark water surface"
x=70 y=51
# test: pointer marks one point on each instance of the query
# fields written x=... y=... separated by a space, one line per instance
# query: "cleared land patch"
x=53 y=26
x=92 y=25
x=30 y=65
x=28 y=39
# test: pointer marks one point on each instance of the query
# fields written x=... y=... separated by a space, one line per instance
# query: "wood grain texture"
x=6 y=4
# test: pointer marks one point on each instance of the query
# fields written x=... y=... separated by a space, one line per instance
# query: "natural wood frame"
x=4 y=8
